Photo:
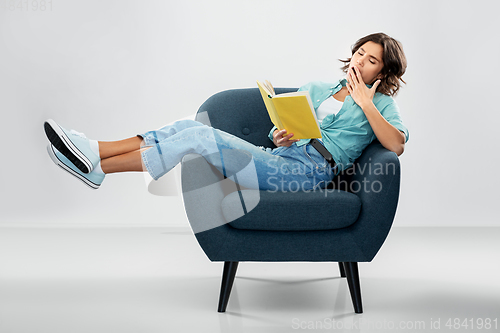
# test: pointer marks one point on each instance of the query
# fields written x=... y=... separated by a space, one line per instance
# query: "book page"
x=270 y=87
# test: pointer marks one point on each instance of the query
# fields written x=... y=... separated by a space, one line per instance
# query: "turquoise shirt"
x=347 y=133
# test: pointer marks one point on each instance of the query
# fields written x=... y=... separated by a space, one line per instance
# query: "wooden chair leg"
x=352 y=274
x=342 y=270
x=228 y=275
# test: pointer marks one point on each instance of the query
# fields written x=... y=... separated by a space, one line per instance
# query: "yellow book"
x=291 y=111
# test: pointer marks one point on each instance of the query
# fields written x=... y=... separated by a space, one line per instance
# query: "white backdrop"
x=113 y=69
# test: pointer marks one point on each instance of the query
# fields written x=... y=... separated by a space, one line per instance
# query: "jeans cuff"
x=148 y=141
x=150 y=159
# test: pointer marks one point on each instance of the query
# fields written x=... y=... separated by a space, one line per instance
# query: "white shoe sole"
x=63 y=166
x=63 y=144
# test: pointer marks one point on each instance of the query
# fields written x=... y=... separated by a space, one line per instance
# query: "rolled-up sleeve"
x=390 y=111
x=271 y=133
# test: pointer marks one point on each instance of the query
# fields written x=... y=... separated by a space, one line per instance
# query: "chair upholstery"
x=294 y=210
x=346 y=223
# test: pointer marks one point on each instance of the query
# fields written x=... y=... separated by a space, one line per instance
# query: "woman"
x=353 y=112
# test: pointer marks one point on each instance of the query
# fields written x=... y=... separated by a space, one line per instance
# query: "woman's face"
x=368 y=60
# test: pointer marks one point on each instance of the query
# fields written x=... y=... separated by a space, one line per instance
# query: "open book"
x=291 y=111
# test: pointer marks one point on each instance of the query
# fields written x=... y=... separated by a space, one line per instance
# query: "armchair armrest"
x=376 y=181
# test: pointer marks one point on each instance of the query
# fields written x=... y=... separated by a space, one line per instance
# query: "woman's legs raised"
x=121 y=156
x=251 y=166
x=125 y=155
x=114 y=148
x=131 y=161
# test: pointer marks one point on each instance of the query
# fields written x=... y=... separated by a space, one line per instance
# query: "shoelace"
x=78 y=133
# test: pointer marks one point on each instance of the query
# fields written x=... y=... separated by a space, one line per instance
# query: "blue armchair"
x=346 y=223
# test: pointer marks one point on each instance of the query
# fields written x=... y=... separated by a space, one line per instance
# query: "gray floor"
x=159 y=280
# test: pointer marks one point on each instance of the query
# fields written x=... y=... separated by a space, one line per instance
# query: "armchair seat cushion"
x=299 y=211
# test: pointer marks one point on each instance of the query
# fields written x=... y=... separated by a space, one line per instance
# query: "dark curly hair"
x=394 y=60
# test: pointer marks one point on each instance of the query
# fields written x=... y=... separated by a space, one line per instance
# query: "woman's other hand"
x=281 y=139
x=360 y=93
x=388 y=135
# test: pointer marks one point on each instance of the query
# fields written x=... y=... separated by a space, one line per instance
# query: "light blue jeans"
x=285 y=169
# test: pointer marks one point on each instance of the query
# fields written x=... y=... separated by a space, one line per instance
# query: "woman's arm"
x=389 y=136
